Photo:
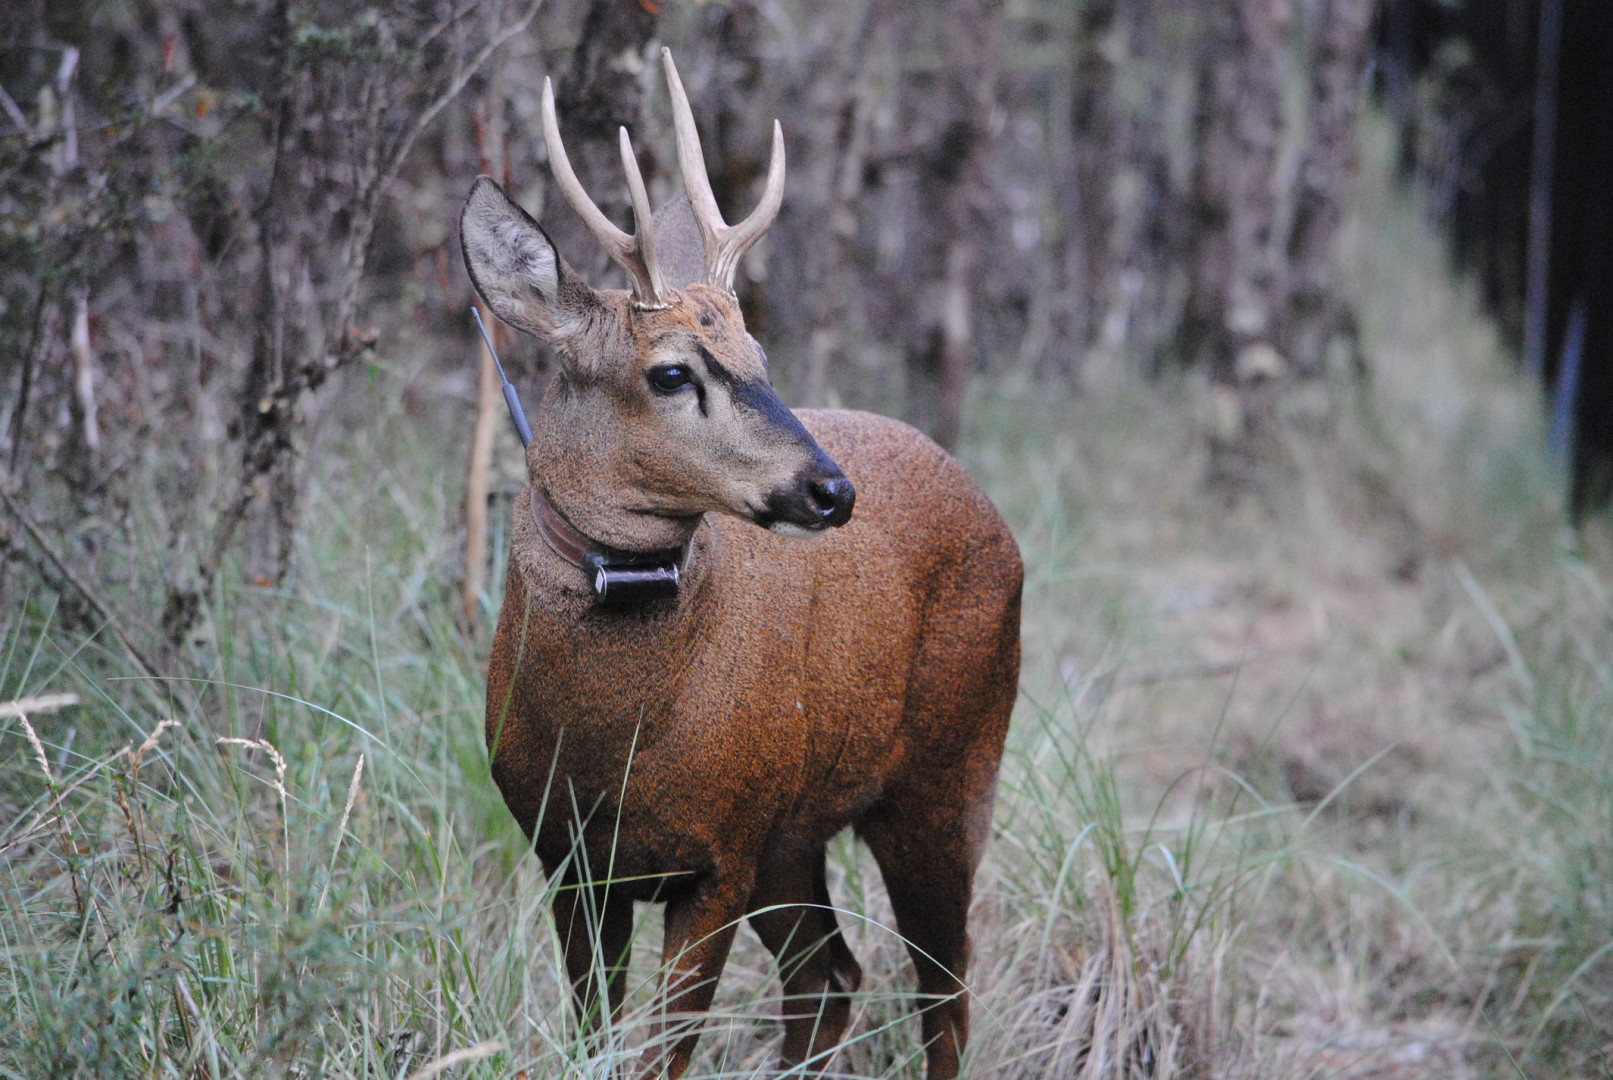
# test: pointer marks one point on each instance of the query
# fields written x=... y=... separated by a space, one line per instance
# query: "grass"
x=1320 y=793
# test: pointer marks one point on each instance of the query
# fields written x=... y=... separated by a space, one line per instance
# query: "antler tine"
x=643 y=219
x=724 y=243
x=691 y=162
x=629 y=252
x=741 y=237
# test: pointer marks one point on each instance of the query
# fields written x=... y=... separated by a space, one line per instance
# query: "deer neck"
x=573 y=463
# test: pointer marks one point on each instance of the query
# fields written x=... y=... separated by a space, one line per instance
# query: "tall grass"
x=295 y=862
x=1560 y=785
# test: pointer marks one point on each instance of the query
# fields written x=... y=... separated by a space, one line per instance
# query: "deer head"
x=662 y=409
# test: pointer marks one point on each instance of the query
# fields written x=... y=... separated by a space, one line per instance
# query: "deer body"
x=702 y=749
x=776 y=700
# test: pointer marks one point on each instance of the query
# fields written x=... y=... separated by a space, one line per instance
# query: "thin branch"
x=83 y=588
x=84 y=368
x=454 y=88
x=228 y=522
x=160 y=103
x=359 y=234
x=15 y=113
x=447 y=24
x=288 y=385
x=28 y=362
x=44 y=703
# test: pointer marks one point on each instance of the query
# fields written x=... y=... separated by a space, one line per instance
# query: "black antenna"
x=511 y=398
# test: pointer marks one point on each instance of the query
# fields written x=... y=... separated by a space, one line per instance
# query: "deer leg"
x=930 y=885
x=700 y=925
x=847 y=972
x=816 y=966
x=596 y=929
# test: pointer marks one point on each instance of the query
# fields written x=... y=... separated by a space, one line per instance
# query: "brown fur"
x=702 y=751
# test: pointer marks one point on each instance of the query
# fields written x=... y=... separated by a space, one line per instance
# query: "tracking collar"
x=618 y=578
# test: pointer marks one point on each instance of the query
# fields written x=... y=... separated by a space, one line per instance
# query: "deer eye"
x=670 y=378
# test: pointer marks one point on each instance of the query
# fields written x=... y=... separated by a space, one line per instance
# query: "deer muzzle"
x=820 y=498
x=833 y=497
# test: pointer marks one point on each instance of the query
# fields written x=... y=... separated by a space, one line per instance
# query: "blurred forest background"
x=212 y=214
x=1266 y=321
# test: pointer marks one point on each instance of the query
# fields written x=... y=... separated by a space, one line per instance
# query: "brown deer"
x=685 y=708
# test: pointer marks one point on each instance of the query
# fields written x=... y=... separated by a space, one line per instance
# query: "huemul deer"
x=700 y=743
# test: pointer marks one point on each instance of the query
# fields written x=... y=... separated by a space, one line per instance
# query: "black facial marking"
x=760 y=398
x=755 y=395
x=718 y=372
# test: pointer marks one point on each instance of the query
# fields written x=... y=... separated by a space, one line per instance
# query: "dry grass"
x=1375 y=659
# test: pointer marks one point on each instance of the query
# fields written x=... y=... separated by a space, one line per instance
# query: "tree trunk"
x=494 y=162
x=1318 y=314
x=1542 y=158
x=1234 y=290
x=949 y=102
x=597 y=94
x=267 y=497
x=1236 y=286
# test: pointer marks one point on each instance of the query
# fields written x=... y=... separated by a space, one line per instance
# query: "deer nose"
x=832 y=498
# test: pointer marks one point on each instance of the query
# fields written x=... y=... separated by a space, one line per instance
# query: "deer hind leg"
x=790 y=912
x=929 y=831
x=928 y=861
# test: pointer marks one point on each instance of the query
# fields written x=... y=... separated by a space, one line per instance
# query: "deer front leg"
x=700 y=927
x=595 y=929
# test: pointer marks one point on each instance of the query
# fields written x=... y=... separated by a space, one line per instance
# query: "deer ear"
x=516 y=269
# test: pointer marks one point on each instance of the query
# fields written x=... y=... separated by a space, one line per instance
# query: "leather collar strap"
x=617 y=577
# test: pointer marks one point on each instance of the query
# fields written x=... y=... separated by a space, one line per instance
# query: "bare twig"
x=43 y=703
x=29 y=360
x=448 y=23
x=84 y=368
x=460 y=81
x=67 y=159
x=160 y=103
x=458 y=1057
x=90 y=596
x=16 y=114
x=490 y=140
x=363 y=222
x=379 y=170
x=476 y=488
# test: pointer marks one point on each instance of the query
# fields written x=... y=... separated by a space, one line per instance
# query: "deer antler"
x=635 y=253
x=724 y=243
